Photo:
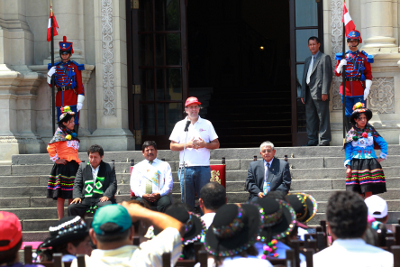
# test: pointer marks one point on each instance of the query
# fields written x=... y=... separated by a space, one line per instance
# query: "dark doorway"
x=239 y=67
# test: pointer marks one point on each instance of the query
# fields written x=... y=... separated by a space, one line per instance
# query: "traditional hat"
x=235 y=229
x=360 y=108
x=66 y=110
x=304 y=205
x=194 y=225
x=65 y=46
x=10 y=230
x=279 y=219
x=65 y=230
x=192 y=100
x=354 y=35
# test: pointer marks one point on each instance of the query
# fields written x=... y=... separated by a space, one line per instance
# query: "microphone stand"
x=183 y=160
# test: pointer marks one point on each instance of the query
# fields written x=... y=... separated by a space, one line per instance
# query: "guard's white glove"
x=79 y=105
x=50 y=73
x=368 y=84
x=342 y=63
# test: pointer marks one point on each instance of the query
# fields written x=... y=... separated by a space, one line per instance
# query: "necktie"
x=266 y=186
x=310 y=70
x=149 y=185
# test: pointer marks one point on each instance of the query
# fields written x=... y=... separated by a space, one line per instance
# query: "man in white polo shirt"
x=200 y=139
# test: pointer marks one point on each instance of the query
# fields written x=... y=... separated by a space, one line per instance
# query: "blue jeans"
x=350 y=102
x=196 y=177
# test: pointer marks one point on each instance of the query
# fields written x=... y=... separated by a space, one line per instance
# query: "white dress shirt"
x=159 y=170
x=238 y=261
x=266 y=168
x=208 y=218
x=201 y=129
x=352 y=252
x=94 y=172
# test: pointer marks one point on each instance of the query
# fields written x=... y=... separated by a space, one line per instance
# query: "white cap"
x=377 y=207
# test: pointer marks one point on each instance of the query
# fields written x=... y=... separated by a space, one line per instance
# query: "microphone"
x=187 y=126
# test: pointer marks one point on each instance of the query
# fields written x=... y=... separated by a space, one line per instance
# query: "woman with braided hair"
x=364 y=173
x=63 y=151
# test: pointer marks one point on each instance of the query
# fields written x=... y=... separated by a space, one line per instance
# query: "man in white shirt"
x=151 y=179
x=212 y=197
x=347 y=213
x=112 y=232
x=194 y=146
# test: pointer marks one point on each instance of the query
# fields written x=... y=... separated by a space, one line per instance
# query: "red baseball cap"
x=10 y=230
x=192 y=100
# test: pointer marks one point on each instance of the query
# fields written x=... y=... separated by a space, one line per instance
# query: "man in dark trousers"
x=95 y=184
x=316 y=83
x=269 y=174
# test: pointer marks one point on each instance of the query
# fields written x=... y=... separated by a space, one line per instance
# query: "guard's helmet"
x=354 y=35
x=65 y=47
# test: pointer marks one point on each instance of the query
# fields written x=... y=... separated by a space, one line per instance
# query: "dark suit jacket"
x=85 y=173
x=320 y=79
x=278 y=176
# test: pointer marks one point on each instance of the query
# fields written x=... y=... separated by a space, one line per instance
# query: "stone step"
x=231 y=153
x=333 y=184
x=393 y=217
x=35 y=235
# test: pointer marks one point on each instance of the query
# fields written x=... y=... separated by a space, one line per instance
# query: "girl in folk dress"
x=63 y=151
x=364 y=171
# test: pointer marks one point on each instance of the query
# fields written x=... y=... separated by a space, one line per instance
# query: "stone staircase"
x=315 y=170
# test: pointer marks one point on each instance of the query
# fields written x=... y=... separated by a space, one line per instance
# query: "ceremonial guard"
x=68 y=81
x=357 y=67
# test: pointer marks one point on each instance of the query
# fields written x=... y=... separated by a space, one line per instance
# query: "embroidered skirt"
x=61 y=180
x=366 y=176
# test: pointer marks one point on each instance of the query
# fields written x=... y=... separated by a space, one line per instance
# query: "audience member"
x=95 y=184
x=377 y=208
x=230 y=239
x=69 y=236
x=279 y=221
x=269 y=174
x=11 y=241
x=347 y=213
x=305 y=207
x=112 y=232
x=194 y=228
x=151 y=179
x=212 y=197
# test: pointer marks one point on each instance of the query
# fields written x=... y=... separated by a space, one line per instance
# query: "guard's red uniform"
x=357 y=65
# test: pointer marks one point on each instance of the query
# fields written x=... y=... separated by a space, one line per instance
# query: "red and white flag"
x=54 y=26
x=348 y=22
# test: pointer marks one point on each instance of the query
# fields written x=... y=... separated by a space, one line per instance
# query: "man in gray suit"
x=316 y=83
x=269 y=174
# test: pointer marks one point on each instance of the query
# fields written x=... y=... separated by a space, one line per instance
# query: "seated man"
x=269 y=174
x=151 y=179
x=212 y=197
x=11 y=241
x=347 y=214
x=95 y=184
x=112 y=232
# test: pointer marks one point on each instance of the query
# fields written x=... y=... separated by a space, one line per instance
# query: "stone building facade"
x=97 y=29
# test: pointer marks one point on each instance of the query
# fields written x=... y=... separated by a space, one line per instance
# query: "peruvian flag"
x=54 y=26
x=348 y=22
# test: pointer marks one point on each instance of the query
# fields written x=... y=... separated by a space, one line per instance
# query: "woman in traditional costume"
x=63 y=151
x=364 y=171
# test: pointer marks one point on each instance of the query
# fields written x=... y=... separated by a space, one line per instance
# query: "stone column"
x=380 y=25
x=111 y=81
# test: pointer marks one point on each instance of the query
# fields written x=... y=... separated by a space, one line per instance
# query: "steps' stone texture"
x=315 y=170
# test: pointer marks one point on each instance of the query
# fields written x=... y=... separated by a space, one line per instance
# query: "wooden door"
x=157 y=49
x=305 y=21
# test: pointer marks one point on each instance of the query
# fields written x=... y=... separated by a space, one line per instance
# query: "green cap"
x=113 y=213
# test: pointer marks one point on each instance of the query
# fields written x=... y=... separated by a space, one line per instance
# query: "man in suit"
x=316 y=83
x=95 y=184
x=269 y=174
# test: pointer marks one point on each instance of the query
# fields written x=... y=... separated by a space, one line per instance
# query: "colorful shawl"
x=356 y=133
x=63 y=134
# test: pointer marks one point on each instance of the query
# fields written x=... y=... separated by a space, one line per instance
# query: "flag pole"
x=344 y=83
x=53 y=103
